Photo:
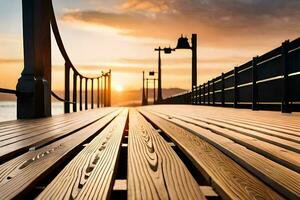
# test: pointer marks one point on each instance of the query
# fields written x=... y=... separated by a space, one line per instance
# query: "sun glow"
x=119 y=88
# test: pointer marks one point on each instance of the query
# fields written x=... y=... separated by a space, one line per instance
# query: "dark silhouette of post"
x=92 y=93
x=159 y=88
x=109 y=89
x=80 y=94
x=86 y=93
x=143 y=95
x=194 y=60
x=34 y=85
x=154 y=91
x=98 y=93
x=67 y=88
x=74 y=92
x=285 y=103
x=105 y=91
x=147 y=92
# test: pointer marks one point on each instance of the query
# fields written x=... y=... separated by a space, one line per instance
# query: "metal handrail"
x=61 y=45
x=8 y=91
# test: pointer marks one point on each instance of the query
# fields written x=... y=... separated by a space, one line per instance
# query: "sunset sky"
x=122 y=34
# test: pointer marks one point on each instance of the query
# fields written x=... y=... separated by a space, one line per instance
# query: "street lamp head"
x=151 y=73
x=183 y=43
x=168 y=50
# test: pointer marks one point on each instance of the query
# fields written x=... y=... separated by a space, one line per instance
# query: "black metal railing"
x=103 y=80
x=269 y=82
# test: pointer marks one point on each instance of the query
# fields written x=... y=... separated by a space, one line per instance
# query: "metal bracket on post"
x=34 y=85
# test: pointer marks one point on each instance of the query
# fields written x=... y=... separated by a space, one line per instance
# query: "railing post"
x=86 y=93
x=34 y=85
x=80 y=94
x=102 y=92
x=285 y=107
x=213 y=92
x=105 y=91
x=254 y=85
x=235 y=103
x=92 y=93
x=208 y=93
x=222 y=90
x=198 y=94
x=98 y=93
x=109 y=88
x=74 y=92
x=67 y=88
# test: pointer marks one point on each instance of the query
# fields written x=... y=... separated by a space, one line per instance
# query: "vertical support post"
x=109 y=88
x=213 y=92
x=154 y=96
x=236 y=82
x=92 y=93
x=254 y=85
x=34 y=85
x=208 y=92
x=147 y=91
x=194 y=60
x=143 y=95
x=80 y=94
x=159 y=89
x=198 y=94
x=285 y=107
x=74 y=92
x=67 y=88
x=102 y=92
x=105 y=91
x=86 y=94
x=222 y=90
x=98 y=93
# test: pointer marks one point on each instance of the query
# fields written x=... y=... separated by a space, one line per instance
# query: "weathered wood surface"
x=173 y=151
x=279 y=177
x=154 y=170
x=21 y=173
x=89 y=175
x=283 y=156
x=229 y=179
x=35 y=139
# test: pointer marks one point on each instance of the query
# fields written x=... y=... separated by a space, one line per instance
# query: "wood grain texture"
x=282 y=179
x=154 y=170
x=10 y=147
x=228 y=179
x=283 y=156
x=21 y=173
x=90 y=174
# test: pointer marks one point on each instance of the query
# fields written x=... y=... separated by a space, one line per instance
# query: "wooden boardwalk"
x=152 y=152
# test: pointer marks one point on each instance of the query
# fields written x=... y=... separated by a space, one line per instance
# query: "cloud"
x=218 y=22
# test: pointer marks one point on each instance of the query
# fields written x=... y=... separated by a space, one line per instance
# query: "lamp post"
x=144 y=101
x=183 y=43
x=159 y=88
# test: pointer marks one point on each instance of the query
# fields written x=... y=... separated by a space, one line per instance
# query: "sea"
x=8 y=110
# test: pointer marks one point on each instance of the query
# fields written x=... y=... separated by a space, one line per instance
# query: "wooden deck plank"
x=270 y=126
x=21 y=173
x=154 y=170
x=228 y=179
x=284 y=136
x=283 y=156
x=287 y=144
x=89 y=175
x=278 y=177
x=10 y=150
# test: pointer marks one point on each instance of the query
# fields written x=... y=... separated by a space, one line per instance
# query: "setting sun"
x=119 y=88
